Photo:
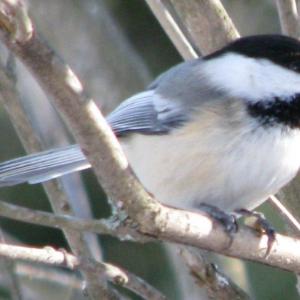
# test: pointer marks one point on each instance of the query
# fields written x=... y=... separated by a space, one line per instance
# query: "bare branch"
x=109 y=227
x=193 y=229
x=286 y=215
x=289 y=17
x=16 y=19
x=45 y=255
x=197 y=230
x=207 y=22
x=194 y=26
x=53 y=275
x=171 y=23
x=9 y=98
x=54 y=257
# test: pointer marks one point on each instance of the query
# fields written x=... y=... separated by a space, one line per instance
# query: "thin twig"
x=171 y=23
x=10 y=278
x=289 y=17
x=105 y=227
x=60 y=258
x=290 y=219
x=53 y=275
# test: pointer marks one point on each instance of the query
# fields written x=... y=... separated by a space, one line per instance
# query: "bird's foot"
x=228 y=221
x=253 y=219
x=259 y=223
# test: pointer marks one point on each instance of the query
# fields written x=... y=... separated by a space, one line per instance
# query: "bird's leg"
x=229 y=221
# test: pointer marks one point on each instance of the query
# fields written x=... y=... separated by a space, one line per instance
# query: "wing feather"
x=147 y=113
x=42 y=166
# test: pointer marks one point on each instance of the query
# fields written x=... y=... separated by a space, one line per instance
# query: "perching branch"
x=195 y=229
x=112 y=169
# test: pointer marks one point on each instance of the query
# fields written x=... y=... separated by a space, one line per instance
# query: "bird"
x=222 y=129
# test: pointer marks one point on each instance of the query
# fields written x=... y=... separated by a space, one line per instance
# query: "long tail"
x=43 y=166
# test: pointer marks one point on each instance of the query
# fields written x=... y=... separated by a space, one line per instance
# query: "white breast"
x=235 y=166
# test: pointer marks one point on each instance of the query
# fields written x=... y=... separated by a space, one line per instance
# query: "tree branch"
x=60 y=258
x=193 y=26
x=286 y=215
x=171 y=23
x=196 y=229
x=107 y=227
x=38 y=272
x=207 y=22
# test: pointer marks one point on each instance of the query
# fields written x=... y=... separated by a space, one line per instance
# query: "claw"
x=257 y=221
x=228 y=221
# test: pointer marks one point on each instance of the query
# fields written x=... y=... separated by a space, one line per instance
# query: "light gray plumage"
x=42 y=166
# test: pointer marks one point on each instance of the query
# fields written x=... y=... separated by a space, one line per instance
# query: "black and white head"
x=264 y=71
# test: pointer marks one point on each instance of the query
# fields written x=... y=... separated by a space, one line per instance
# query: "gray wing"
x=147 y=113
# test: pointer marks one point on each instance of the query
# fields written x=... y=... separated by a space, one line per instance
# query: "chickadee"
x=222 y=129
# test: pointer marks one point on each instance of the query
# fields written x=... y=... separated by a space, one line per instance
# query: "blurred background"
x=116 y=47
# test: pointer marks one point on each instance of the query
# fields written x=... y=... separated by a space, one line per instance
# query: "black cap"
x=281 y=50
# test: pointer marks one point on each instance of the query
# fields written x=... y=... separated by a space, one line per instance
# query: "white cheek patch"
x=251 y=79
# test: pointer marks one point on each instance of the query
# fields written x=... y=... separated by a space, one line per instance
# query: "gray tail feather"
x=43 y=166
